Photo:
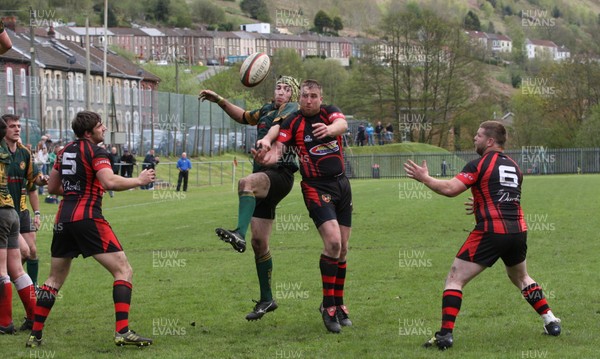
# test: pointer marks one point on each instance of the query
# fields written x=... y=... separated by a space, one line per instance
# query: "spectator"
x=360 y=135
x=370 y=134
x=41 y=161
x=127 y=163
x=444 y=168
x=115 y=159
x=389 y=133
x=184 y=166
x=150 y=162
x=379 y=133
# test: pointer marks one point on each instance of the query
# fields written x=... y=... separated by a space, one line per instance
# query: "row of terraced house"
x=192 y=46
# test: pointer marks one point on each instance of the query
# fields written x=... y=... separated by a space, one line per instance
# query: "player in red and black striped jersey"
x=81 y=174
x=495 y=181
x=314 y=135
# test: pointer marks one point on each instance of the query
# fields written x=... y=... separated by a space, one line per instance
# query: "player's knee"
x=343 y=252
x=32 y=252
x=25 y=253
x=244 y=185
x=333 y=248
x=259 y=245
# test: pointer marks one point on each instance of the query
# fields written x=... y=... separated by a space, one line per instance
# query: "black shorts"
x=485 y=248
x=86 y=237
x=281 y=182
x=26 y=223
x=328 y=199
x=9 y=228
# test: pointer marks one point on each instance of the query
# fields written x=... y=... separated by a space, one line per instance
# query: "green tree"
x=589 y=132
x=429 y=82
x=330 y=74
x=472 y=21
x=338 y=24
x=257 y=9
x=322 y=21
x=162 y=10
x=366 y=94
x=179 y=14
x=205 y=12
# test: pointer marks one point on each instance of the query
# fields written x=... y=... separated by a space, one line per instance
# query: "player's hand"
x=415 y=171
x=259 y=154
x=147 y=176
x=44 y=179
x=37 y=222
x=209 y=96
x=470 y=206
x=263 y=144
x=320 y=130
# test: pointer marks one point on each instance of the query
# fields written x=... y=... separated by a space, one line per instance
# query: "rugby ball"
x=255 y=69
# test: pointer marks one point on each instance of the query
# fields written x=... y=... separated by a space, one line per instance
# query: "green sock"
x=245 y=211
x=264 y=267
x=32 y=269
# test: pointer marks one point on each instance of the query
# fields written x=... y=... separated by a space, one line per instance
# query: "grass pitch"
x=192 y=291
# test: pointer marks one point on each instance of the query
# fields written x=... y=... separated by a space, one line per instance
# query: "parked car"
x=163 y=141
x=212 y=62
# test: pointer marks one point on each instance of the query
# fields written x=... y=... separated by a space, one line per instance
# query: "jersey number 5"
x=508 y=176
x=69 y=166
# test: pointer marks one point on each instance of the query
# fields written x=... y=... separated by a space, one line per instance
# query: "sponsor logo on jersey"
x=307 y=138
x=102 y=161
x=467 y=176
x=325 y=148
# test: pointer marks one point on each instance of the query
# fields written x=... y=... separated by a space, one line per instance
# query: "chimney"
x=51 y=32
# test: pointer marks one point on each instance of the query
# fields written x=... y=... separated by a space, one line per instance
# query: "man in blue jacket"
x=184 y=166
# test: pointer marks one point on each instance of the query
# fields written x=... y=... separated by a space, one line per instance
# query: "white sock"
x=23 y=281
x=549 y=318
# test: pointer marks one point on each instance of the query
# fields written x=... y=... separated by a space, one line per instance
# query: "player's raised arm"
x=448 y=188
x=113 y=182
x=235 y=112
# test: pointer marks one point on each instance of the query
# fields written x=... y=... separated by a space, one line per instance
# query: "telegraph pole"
x=33 y=71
